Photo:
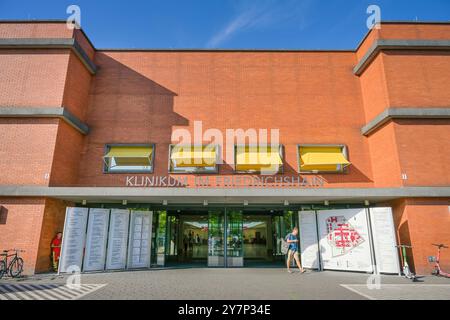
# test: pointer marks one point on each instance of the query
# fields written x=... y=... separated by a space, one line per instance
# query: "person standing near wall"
x=56 y=250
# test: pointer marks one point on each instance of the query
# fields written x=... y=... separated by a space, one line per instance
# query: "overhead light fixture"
x=245 y=202
x=326 y=202
x=286 y=203
x=366 y=203
x=124 y=202
x=205 y=202
x=164 y=202
x=84 y=202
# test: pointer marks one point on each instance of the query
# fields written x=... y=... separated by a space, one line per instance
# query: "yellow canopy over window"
x=130 y=155
x=194 y=156
x=322 y=159
x=258 y=158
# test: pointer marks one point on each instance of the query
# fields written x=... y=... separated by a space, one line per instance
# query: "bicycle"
x=15 y=266
x=437 y=267
x=406 y=271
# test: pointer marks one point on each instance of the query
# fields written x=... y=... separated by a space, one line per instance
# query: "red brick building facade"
x=62 y=100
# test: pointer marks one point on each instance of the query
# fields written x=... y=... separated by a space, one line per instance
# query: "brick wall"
x=21 y=228
x=384 y=157
x=399 y=31
x=34 y=30
x=38 y=147
x=26 y=150
x=375 y=94
x=66 y=156
x=141 y=97
x=32 y=78
x=53 y=222
x=408 y=79
x=417 y=78
x=423 y=151
x=77 y=86
x=420 y=223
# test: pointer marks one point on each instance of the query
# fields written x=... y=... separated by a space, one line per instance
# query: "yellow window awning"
x=194 y=156
x=257 y=158
x=322 y=159
x=130 y=155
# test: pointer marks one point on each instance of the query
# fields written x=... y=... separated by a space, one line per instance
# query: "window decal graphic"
x=342 y=236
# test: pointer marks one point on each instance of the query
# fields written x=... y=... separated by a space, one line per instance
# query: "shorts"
x=292 y=253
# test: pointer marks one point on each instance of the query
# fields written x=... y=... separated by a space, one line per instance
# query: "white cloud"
x=261 y=14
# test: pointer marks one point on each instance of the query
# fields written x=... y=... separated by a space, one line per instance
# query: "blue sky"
x=227 y=24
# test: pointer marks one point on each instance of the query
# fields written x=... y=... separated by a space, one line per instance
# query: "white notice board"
x=73 y=240
x=383 y=231
x=118 y=237
x=309 y=242
x=139 y=243
x=97 y=234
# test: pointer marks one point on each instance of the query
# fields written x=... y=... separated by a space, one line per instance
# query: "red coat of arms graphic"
x=342 y=236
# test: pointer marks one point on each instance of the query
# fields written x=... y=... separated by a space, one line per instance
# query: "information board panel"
x=384 y=240
x=118 y=238
x=97 y=234
x=309 y=242
x=139 y=244
x=74 y=236
x=344 y=240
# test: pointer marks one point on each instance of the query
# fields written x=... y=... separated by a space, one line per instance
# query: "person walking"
x=292 y=241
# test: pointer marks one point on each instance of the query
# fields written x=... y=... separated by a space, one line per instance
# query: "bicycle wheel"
x=2 y=268
x=435 y=272
x=16 y=267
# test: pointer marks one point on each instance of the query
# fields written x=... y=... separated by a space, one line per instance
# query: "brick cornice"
x=51 y=43
x=33 y=112
x=384 y=44
x=404 y=113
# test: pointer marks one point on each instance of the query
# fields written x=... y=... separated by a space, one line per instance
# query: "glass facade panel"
x=159 y=237
x=224 y=237
x=216 y=235
x=234 y=236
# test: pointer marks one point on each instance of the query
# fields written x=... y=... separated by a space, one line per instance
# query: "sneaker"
x=289 y=271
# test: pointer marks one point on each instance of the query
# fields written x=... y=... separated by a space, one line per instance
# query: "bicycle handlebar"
x=16 y=250
x=440 y=245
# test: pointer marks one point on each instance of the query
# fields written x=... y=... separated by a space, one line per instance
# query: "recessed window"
x=322 y=158
x=265 y=159
x=193 y=159
x=129 y=158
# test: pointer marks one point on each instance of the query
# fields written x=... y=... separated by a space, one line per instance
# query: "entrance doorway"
x=263 y=231
x=257 y=244
x=187 y=237
x=222 y=237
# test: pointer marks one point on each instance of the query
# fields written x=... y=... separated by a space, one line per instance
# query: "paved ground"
x=229 y=284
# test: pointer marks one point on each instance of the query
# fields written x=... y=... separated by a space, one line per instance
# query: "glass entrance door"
x=194 y=238
x=225 y=237
x=172 y=228
x=282 y=223
x=234 y=234
x=225 y=243
x=257 y=245
x=216 y=236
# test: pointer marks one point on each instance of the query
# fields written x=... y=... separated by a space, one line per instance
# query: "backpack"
x=284 y=245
